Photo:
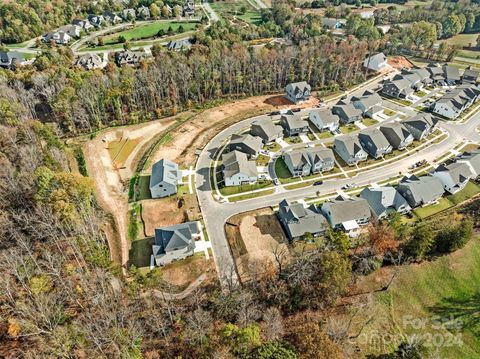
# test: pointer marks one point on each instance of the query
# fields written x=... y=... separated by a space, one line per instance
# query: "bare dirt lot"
x=399 y=62
x=254 y=238
x=162 y=212
x=183 y=273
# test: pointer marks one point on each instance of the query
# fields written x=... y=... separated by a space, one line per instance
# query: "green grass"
x=420 y=93
x=293 y=140
x=439 y=289
x=140 y=252
x=281 y=169
x=134 y=221
x=470 y=190
x=148 y=31
x=324 y=134
x=227 y=191
x=251 y=195
x=262 y=160
x=230 y=9
x=348 y=128
x=272 y=147
x=388 y=112
x=430 y=210
x=120 y=150
x=299 y=185
x=462 y=40
x=369 y=122
x=143 y=188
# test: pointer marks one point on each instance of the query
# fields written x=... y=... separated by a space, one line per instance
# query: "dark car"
x=296 y=110
x=274 y=113
x=317 y=183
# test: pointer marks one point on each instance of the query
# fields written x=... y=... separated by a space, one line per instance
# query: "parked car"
x=317 y=183
x=276 y=181
x=297 y=109
x=264 y=152
x=274 y=113
x=349 y=185
x=310 y=145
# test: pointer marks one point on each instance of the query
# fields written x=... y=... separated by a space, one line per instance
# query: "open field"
x=120 y=150
x=162 y=212
x=462 y=40
x=230 y=8
x=146 y=31
x=439 y=290
x=254 y=237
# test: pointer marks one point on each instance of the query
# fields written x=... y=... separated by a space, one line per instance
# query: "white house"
x=298 y=91
x=376 y=62
x=324 y=120
x=238 y=170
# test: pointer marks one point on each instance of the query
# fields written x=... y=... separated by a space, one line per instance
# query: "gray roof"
x=424 y=189
x=164 y=171
x=331 y=22
x=326 y=115
x=402 y=84
x=321 y=154
x=299 y=87
x=380 y=57
x=470 y=72
x=351 y=142
x=297 y=157
x=421 y=121
x=451 y=73
x=422 y=73
x=376 y=136
x=458 y=171
x=8 y=58
x=177 y=45
x=294 y=121
x=382 y=198
x=401 y=133
x=369 y=99
x=268 y=127
x=254 y=142
x=129 y=57
x=473 y=158
x=346 y=209
x=89 y=61
x=237 y=162
x=300 y=220
x=349 y=109
x=172 y=238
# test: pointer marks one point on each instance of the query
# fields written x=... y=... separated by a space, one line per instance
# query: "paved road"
x=216 y=214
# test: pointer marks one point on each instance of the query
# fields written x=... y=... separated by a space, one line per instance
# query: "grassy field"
x=140 y=252
x=251 y=195
x=227 y=9
x=148 y=31
x=120 y=150
x=273 y=147
x=462 y=40
x=227 y=191
x=430 y=210
x=444 y=288
x=143 y=188
x=281 y=169
x=470 y=190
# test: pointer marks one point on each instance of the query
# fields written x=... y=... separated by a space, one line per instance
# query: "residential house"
x=454 y=177
x=397 y=135
x=400 y=88
x=298 y=91
x=349 y=149
x=266 y=130
x=374 y=142
x=129 y=14
x=470 y=75
x=332 y=23
x=71 y=30
x=376 y=62
x=59 y=37
x=251 y=145
x=324 y=120
x=423 y=75
x=143 y=13
x=451 y=74
x=420 y=191
x=298 y=162
x=90 y=62
x=237 y=169
x=188 y=8
x=347 y=112
x=366 y=14
x=412 y=78
x=96 y=20
x=293 y=125
x=322 y=159
x=11 y=59
x=370 y=103
x=132 y=58
x=111 y=17
x=472 y=159
x=298 y=220
x=384 y=200
x=164 y=179
x=436 y=73
x=174 y=243
x=179 y=45
x=347 y=214
x=420 y=125
x=454 y=102
x=83 y=24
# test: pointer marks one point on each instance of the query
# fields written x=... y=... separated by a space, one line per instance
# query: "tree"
x=312 y=342
x=423 y=34
x=330 y=12
x=273 y=350
x=453 y=238
x=154 y=11
x=421 y=241
x=165 y=11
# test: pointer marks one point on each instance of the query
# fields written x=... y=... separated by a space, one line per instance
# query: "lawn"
x=281 y=169
x=139 y=254
x=251 y=195
x=470 y=190
x=143 y=188
x=432 y=293
x=232 y=9
x=324 y=134
x=262 y=160
x=369 y=122
x=148 y=31
x=348 y=128
x=388 y=112
x=272 y=147
x=430 y=210
x=292 y=140
x=462 y=40
x=227 y=191
x=120 y=150
x=420 y=93
x=135 y=226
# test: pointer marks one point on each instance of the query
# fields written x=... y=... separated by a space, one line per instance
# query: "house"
x=470 y=75
x=237 y=169
x=383 y=200
x=71 y=30
x=143 y=13
x=83 y=24
x=347 y=214
x=420 y=191
x=298 y=162
x=298 y=91
x=132 y=58
x=322 y=159
x=420 y=125
x=347 y=112
x=11 y=59
x=293 y=125
x=451 y=74
x=248 y=144
x=90 y=62
x=179 y=45
x=349 y=149
x=174 y=243
x=332 y=23
x=436 y=74
x=400 y=88
x=412 y=78
x=111 y=17
x=59 y=37
x=370 y=103
x=423 y=75
x=454 y=177
x=266 y=130
x=397 y=135
x=376 y=62
x=472 y=159
x=324 y=120
x=454 y=102
x=298 y=220
x=188 y=8
x=95 y=20
x=366 y=14
x=129 y=14
x=164 y=179
x=374 y=142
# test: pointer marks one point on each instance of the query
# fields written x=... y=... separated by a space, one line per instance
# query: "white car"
x=310 y=145
x=276 y=181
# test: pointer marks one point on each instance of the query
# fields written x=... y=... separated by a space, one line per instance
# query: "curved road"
x=216 y=214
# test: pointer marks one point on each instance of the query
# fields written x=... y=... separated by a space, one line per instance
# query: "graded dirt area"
x=162 y=212
x=183 y=273
x=399 y=62
x=254 y=238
